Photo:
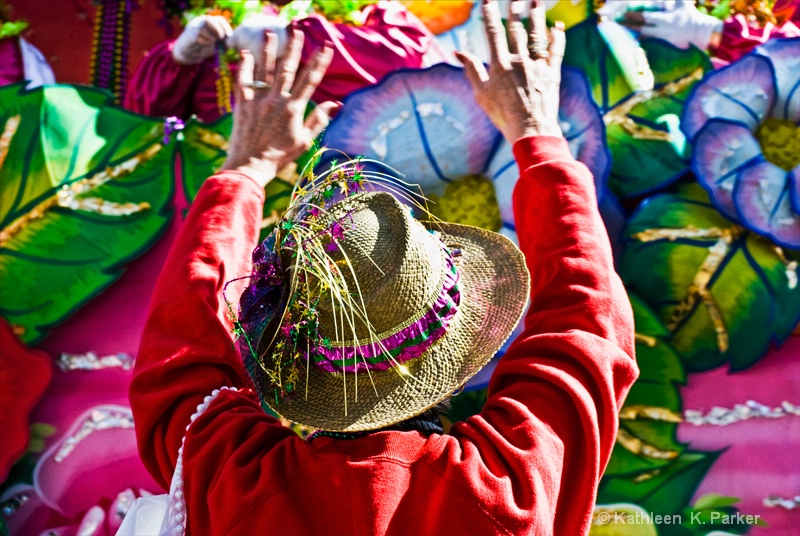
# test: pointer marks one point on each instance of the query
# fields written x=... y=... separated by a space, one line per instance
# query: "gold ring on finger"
x=258 y=84
x=538 y=49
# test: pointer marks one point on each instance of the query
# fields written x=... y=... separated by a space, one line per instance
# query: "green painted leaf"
x=668 y=490
x=203 y=150
x=660 y=372
x=714 y=500
x=72 y=137
x=753 y=286
x=589 y=52
x=653 y=153
x=466 y=404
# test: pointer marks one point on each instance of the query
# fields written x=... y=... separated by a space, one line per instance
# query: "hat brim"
x=494 y=284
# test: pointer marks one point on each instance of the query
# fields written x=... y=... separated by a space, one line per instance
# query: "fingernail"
x=559 y=25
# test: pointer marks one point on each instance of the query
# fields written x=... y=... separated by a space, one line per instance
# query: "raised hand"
x=198 y=39
x=269 y=130
x=520 y=91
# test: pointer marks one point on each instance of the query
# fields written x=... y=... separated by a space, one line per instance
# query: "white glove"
x=683 y=25
x=198 y=39
x=250 y=34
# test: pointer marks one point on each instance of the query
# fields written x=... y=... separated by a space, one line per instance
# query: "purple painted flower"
x=743 y=122
x=426 y=125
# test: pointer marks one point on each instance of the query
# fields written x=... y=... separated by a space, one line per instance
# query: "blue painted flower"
x=743 y=122
x=426 y=125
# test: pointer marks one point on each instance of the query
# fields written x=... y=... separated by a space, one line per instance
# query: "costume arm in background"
x=162 y=87
x=551 y=412
x=738 y=37
x=391 y=38
x=187 y=350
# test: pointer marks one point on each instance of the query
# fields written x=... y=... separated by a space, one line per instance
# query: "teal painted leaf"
x=85 y=187
x=466 y=404
x=647 y=146
x=667 y=491
x=652 y=410
x=589 y=51
x=722 y=291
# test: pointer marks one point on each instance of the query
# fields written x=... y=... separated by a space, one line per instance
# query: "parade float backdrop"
x=697 y=169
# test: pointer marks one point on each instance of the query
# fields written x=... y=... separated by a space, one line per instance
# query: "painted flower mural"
x=724 y=293
x=426 y=125
x=743 y=122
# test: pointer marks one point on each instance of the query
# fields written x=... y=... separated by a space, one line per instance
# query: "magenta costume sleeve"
x=162 y=87
x=391 y=38
x=739 y=38
x=11 y=68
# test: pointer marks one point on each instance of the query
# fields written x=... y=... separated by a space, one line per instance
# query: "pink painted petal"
x=97 y=468
x=785 y=57
x=743 y=92
x=93 y=523
x=721 y=150
x=762 y=201
x=759 y=457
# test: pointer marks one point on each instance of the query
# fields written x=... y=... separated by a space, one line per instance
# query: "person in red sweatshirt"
x=528 y=463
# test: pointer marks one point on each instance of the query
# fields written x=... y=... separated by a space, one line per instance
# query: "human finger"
x=206 y=35
x=474 y=70
x=633 y=19
x=222 y=27
x=558 y=44
x=266 y=59
x=244 y=87
x=517 y=39
x=289 y=62
x=538 y=41
x=495 y=34
x=311 y=75
x=657 y=18
x=320 y=116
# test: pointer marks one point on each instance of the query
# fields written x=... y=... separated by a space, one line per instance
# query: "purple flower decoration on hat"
x=426 y=125
x=743 y=122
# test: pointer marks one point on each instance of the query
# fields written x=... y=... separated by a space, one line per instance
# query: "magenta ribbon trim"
x=427 y=330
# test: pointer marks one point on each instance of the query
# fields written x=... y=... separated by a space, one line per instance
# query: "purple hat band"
x=408 y=343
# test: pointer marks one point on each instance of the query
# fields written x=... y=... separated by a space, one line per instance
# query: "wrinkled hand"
x=269 y=131
x=198 y=39
x=520 y=91
x=681 y=24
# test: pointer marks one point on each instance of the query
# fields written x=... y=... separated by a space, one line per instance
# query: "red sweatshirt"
x=529 y=463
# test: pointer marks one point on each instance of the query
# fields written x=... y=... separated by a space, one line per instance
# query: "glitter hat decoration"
x=358 y=316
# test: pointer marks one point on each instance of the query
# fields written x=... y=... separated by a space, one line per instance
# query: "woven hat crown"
x=389 y=261
x=358 y=316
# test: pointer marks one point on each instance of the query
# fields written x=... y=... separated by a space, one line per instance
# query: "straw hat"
x=397 y=316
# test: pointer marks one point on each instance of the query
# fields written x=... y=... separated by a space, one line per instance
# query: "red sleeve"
x=391 y=38
x=187 y=350
x=550 y=419
x=161 y=87
x=738 y=37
